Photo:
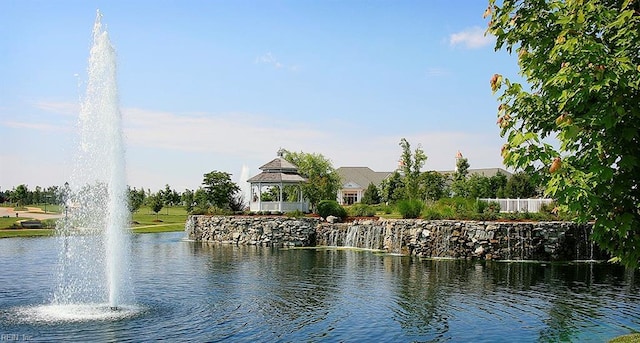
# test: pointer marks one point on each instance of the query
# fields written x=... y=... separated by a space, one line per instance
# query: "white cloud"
x=196 y=143
x=199 y=132
x=270 y=59
x=64 y=108
x=471 y=38
x=257 y=138
x=36 y=126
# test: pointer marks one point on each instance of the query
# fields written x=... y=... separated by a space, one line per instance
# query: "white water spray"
x=95 y=239
x=245 y=187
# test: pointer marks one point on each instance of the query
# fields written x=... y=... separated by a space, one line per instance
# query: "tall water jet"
x=245 y=188
x=95 y=239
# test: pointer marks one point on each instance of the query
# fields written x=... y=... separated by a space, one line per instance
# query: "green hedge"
x=331 y=208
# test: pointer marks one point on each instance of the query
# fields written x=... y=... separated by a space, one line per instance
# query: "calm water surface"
x=195 y=292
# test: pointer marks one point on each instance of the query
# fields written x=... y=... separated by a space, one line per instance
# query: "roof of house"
x=362 y=176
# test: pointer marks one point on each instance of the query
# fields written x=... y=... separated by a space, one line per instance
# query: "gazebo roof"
x=279 y=164
x=278 y=170
x=271 y=177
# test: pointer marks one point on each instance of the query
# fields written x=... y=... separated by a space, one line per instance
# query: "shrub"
x=216 y=211
x=386 y=209
x=551 y=209
x=295 y=214
x=362 y=210
x=481 y=206
x=431 y=213
x=410 y=208
x=487 y=210
x=331 y=208
x=494 y=208
x=199 y=210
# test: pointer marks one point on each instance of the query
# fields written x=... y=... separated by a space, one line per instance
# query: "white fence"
x=520 y=205
x=279 y=206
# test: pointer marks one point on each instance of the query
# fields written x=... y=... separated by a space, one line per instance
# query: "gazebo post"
x=280 y=199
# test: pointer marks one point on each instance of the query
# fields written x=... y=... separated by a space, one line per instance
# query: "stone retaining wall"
x=247 y=230
x=436 y=238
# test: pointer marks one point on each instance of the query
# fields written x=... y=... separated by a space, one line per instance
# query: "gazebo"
x=277 y=187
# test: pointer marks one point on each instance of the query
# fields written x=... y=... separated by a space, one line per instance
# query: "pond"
x=188 y=291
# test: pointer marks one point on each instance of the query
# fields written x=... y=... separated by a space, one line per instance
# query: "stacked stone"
x=240 y=230
x=546 y=241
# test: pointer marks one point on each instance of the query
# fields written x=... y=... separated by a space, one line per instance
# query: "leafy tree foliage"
x=581 y=62
x=433 y=185
x=520 y=186
x=411 y=165
x=478 y=186
x=323 y=182
x=393 y=188
x=188 y=199
x=169 y=196
x=156 y=203
x=20 y=195
x=371 y=195
x=136 y=199
x=497 y=183
x=460 y=186
x=201 y=201
x=219 y=189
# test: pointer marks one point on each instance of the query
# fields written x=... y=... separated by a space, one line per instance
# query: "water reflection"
x=203 y=292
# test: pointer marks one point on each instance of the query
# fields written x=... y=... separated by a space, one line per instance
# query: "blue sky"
x=218 y=85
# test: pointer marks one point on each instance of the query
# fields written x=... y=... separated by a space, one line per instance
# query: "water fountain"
x=245 y=188
x=93 y=278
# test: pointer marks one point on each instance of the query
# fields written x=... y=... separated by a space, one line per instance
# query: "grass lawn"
x=6 y=223
x=10 y=233
x=145 y=221
x=626 y=339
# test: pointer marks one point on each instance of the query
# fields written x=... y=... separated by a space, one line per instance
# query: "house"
x=355 y=181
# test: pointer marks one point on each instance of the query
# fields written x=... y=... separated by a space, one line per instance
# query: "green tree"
x=156 y=203
x=37 y=196
x=20 y=195
x=581 y=63
x=220 y=189
x=169 y=197
x=433 y=185
x=411 y=165
x=136 y=199
x=519 y=185
x=393 y=188
x=497 y=183
x=478 y=186
x=201 y=201
x=188 y=199
x=323 y=182
x=371 y=195
x=460 y=186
